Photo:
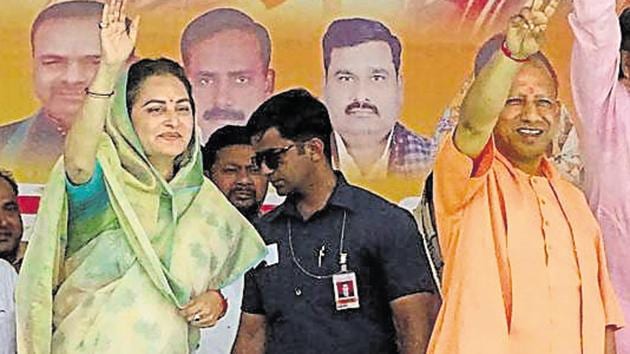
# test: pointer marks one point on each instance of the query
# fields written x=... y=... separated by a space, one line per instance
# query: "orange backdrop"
x=437 y=57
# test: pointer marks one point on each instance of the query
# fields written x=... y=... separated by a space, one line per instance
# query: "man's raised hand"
x=525 y=32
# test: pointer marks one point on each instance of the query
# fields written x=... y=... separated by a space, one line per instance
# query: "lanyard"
x=343 y=256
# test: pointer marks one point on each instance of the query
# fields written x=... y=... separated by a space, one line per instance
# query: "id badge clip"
x=345 y=287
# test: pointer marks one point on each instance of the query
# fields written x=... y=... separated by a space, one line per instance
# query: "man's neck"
x=315 y=196
x=366 y=152
x=531 y=167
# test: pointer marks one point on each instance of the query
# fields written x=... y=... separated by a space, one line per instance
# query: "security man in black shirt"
x=345 y=272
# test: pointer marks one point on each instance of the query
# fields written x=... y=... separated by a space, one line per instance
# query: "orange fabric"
x=525 y=270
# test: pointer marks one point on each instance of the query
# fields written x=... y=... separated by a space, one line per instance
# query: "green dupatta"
x=116 y=294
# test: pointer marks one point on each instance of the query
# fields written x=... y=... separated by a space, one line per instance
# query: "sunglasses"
x=271 y=157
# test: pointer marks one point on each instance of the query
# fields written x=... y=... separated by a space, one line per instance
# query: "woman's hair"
x=145 y=68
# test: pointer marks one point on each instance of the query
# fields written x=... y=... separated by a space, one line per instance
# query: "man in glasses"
x=326 y=237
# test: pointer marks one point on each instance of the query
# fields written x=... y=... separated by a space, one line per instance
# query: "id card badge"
x=346 y=291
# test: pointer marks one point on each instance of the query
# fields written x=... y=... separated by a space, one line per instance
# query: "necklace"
x=342 y=254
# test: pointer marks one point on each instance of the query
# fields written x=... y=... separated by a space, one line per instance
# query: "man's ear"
x=315 y=149
x=270 y=81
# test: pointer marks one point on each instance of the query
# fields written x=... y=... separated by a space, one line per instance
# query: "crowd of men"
x=520 y=266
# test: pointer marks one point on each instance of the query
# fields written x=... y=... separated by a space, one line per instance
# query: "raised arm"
x=117 y=43
x=595 y=57
x=488 y=93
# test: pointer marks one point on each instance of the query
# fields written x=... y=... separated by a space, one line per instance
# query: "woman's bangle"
x=508 y=53
x=98 y=94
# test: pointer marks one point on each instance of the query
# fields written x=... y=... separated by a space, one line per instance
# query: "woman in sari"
x=130 y=239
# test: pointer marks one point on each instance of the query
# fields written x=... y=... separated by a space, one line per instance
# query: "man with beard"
x=62 y=70
x=364 y=92
x=228 y=162
x=226 y=56
x=10 y=220
x=10 y=236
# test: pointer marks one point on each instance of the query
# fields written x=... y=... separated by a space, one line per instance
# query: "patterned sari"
x=111 y=262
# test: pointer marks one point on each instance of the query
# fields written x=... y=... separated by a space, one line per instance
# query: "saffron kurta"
x=525 y=270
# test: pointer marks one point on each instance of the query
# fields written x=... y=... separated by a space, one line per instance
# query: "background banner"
x=46 y=67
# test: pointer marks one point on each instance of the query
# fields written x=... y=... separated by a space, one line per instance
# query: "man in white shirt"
x=8 y=278
x=11 y=227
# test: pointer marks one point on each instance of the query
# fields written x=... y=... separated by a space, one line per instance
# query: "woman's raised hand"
x=117 y=38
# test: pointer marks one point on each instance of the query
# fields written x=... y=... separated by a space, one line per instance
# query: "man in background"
x=11 y=229
x=600 y=78
x=363 y=91
x=226 y=56
x=62 y=70
x=228 y=162
x=8 y=279
x=10 y=236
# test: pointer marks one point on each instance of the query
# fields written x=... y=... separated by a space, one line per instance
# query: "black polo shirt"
x=384 y=250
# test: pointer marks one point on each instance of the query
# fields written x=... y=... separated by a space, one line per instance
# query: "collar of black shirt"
x=341 y=197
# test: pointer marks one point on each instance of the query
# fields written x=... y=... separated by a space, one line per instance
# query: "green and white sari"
x=110 y=262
